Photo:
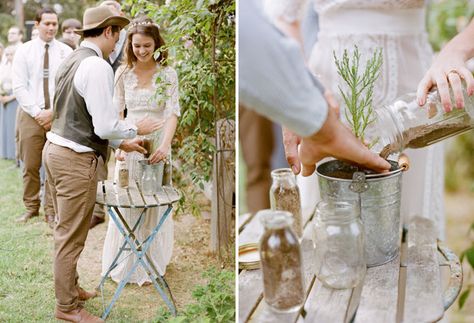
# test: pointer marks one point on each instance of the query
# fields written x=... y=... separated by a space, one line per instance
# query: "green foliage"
x=199 y=36
x=467 y=255
x=463 y=297
x=215 y=301
x=6 y=21
x=446 y=19
x=359 y=95
x=459 y=157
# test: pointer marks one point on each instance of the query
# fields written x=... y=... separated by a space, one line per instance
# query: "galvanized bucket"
x=379 y=198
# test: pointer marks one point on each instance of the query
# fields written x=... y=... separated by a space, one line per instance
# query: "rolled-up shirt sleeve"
x=98 y=93
x=273 y=77
x=20 y=79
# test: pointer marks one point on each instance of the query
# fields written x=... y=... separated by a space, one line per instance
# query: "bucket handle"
x=358 y=185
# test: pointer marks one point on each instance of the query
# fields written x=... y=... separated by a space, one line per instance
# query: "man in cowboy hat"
x=115 y=59
x=84 y=122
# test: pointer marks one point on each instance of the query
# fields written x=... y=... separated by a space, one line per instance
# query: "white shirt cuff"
x=115 y=143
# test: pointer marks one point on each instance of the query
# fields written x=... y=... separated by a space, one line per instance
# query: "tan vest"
x=71 y=119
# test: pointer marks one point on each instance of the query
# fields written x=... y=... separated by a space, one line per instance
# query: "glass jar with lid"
x=339 y=244
x=281 y=265
x=404 y=124
x=285 y=196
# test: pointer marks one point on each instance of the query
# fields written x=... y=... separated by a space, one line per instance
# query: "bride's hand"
x=160 y=154
x=148 y=125
x=449 y=69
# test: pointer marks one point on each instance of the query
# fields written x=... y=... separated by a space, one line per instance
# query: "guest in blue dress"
x=8 y=107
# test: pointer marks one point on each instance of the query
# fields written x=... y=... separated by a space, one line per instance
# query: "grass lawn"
x=26 y=277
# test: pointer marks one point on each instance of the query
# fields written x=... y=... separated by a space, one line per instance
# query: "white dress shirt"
x=27 y=72
x=273 y=77
x=94 y=81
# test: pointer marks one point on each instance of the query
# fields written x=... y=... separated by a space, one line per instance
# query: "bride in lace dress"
x=398 y=27
x=135 y=89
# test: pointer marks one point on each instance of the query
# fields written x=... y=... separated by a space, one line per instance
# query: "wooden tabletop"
x=416 y=286
x=110 y=194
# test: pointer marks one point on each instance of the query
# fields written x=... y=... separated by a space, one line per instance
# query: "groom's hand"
x=135 y=144
x=291 y=142
x=336 y=140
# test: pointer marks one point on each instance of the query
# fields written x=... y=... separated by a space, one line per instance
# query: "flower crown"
x=143 y=23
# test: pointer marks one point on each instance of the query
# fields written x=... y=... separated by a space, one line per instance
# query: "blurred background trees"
x=444 y=20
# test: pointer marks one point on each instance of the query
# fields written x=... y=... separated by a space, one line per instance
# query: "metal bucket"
x=379 y=197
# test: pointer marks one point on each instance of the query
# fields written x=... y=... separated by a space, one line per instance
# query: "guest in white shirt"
x=34 y=69
x=115 y=58
x=85 y=123
x=15 y=36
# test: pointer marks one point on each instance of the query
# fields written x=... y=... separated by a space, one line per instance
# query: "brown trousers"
x=102 y=174
x=32 y=137
x=73 y=184
x=256 y=142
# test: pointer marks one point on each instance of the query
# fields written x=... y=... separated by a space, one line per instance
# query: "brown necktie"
x=47 y=101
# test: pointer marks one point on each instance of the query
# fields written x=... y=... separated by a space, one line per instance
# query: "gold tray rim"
x=247 y=248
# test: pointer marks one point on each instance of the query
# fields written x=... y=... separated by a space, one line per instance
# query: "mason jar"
x=123 y=174
x=148 y=180
x=285 y=196
x=404 y=124
x=280 y=259
x=339 y=244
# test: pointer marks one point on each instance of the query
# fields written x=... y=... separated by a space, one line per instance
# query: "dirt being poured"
x=281 y=268
x=422 y=136
x=288 y=199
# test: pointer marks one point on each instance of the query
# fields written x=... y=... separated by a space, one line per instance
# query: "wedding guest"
x=2 y=48
x=69 y=37
x=8 y=107
x=34 y=33
x=15 y=36
x=115 y=58
x=34 y=70
x=85 y=119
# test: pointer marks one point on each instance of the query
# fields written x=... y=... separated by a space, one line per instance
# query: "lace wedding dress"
x=142 y=102
x=398 y=27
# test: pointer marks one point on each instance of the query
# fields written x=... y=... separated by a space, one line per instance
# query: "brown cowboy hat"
x=100 y=17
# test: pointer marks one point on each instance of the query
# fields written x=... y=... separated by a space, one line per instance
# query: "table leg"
x=122 y=248
x=140 y=249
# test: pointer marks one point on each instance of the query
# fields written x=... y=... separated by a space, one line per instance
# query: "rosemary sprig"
x=358 y=98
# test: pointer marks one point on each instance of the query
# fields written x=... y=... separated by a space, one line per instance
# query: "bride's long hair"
x=145 y=26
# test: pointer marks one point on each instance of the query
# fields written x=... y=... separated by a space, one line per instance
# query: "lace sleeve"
x=288 y=10
x=119 y=90
x=172 y=93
